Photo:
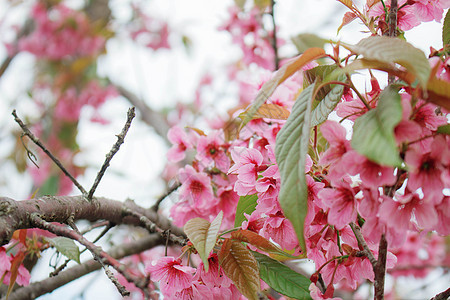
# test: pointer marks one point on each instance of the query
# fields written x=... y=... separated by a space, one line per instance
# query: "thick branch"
x=16 y=214
x=148 y=115
x=40 y=288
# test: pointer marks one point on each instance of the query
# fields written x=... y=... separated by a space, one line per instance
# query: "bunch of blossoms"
x=253 y=39
x=344 y=188
x=411 y=13
x=153 y=33
x=57 y=30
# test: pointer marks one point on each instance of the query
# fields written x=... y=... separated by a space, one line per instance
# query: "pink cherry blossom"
x=335 y=134
x=171 y=274
x=428 y=10
x=371 y=173
x=406 y=17
x=426 y=169
x=281 y=231
x=341 y=202
x=181 y=142
x=210 y=149
x=196 y=188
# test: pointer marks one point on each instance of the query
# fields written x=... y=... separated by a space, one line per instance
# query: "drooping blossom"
x=180 y=141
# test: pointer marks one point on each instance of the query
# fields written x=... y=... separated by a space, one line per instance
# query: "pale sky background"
x=161 y=79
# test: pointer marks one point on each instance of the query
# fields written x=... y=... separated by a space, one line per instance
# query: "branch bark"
x=17 y=214
x=47 y=285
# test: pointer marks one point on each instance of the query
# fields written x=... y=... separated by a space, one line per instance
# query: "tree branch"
x=362 y=243
x=114 y=149
x=16 y=214
x=47 y=285
x=35 y=140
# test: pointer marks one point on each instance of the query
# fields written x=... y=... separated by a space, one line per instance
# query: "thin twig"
x=362 y=242
x=274 y=36
x=155 y=207
x=393 y=10
x=47 y=285
x=99 y=255
x=120 y=139
x=28 y=133
x=105 y=230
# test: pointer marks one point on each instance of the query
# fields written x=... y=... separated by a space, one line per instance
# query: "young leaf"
x=327 y=105
x=348 y=3
x=290 y=150
x=15 y=264
x=246 y=204
x=280 y=76
x=362 y=63
x=347 y=19
x=304 y=41
x=241 y=267
x=281 y=278
x=203 y=235
x=258 y=241
x=66 y=247
x=269 y=111
x=393 y=50
x=373 y=132
x=446 y=30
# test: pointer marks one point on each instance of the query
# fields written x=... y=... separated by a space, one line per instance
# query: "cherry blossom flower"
x=341 y=202
x=171 y=274
x=406 y=17
x=428 y=10
x=210 y=149
x=181 y=142
x=196 y=188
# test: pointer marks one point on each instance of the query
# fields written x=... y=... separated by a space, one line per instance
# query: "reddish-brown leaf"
x=239 y=264
x=258 y=241
x=280 y=76
x=15 y=264
x=348 y=18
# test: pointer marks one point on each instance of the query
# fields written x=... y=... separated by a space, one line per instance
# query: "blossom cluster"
x=56 y=32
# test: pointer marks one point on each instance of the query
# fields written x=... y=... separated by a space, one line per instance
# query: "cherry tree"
x=305 y=166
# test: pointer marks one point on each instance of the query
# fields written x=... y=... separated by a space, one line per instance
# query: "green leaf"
x=281 y=278
x=446 y=30
x=203 y=235
x=241 y=267
x=290 y=150
x=66 y=247
x=280 y=76
x=247 y=204
x=305 y=41
x=373 y=132
x=393 y=50
x=327 y=105
x=444 y=129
